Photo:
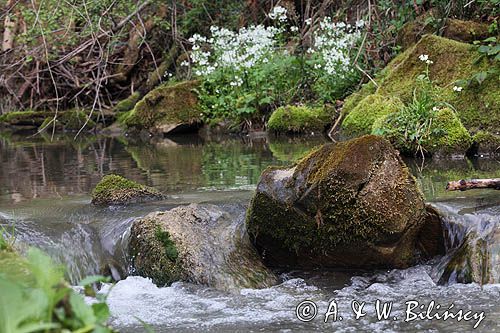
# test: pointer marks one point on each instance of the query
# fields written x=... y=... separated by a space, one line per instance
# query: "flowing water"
x=44 y=194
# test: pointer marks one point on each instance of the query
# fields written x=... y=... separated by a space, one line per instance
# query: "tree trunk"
x=10 y=27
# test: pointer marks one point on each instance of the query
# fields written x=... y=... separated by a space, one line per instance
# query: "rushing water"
x=44 y=193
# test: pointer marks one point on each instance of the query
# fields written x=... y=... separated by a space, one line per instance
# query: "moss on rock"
x=166 y=109
x=476 y=105
x=459 y=30
x=446 y=135
x=128 y=103
x=300 y=119
x=117 y=190
x=337 y=206
x=487 y=143
x=200 y=244
x=367 y=111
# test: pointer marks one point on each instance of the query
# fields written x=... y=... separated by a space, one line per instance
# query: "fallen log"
x=462 y=185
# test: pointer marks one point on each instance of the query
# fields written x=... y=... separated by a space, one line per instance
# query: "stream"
x=45 y=190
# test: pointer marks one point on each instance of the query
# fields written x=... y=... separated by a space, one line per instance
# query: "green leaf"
x=81 y=310
x=480 y=77
x=91 y=279
x=101 y=312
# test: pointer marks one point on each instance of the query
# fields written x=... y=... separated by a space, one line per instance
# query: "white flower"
x=278 y=13
x=435 y=108
x=360 y=24
x=457 y=88
x=294 y=29
x=308 y=21
x=423 y=57
x=185 y=63
x=429 y=62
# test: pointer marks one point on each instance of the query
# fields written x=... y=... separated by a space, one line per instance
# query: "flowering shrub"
x=331 y=60
x=249 y=72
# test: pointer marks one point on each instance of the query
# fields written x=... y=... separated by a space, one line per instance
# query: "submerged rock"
x=203 y=244
x=117 y=190
x=300 y=119
x=167 y=109
x=351 y=204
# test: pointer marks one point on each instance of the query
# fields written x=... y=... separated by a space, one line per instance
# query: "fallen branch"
x=462 y=185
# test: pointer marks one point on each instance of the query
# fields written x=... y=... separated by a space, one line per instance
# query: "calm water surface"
x=44 y=193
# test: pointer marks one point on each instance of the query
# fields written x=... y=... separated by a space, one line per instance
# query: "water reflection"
x=43 y=168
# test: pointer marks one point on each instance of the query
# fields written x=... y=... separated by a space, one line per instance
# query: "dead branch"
x=462 y=185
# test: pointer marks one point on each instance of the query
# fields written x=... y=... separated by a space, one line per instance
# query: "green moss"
x=366 y=112
x=75 y=120
x=115 y=189
x=487 y=142
x=454 y=137
x=446 y=134
x=476 y=105
x=352 y=100
x=299 y=119
x=154 y=254
x=168 y=245
x=128 y=103
x=166 y=104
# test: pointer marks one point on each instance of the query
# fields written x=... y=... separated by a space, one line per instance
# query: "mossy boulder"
x=203 y=244
x=486 y=144
x=351 y=204
x=476 y=105
x=447 y=136
x=454 y=62
x=459 y=30
x=167 y=109
x=117 y=190
x=300 y=119
x=361 y=118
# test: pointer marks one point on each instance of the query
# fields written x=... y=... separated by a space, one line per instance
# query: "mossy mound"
x=447 y=135
x=117 y=190
x=300 y=119
x=459 y=30
x=477 y=105
x=361 y=118
x=128 y=103
x=167 y=109
x=351 y=204
x=202 y=244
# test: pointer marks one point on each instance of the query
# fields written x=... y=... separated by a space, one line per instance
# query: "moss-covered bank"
x=477 y=105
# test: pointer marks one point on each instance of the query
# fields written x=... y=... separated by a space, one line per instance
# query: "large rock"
x=167 y=109
x=117 y=190
x=352 y=204
x=203 y=244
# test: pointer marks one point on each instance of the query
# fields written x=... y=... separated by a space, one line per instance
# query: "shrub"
x=249 y=72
